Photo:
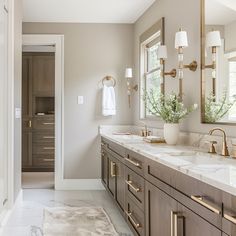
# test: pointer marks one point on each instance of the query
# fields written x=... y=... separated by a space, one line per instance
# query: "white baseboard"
x=79 y=184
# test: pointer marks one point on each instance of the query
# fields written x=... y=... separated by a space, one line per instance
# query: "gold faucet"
x=145 y=132
x=225 y=151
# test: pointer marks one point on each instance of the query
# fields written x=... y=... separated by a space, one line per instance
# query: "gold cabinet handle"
x=230 y=218
x=173 y=223
x=133 y=162
x=30 y=123
x=200 y=200
x=48 y=123
x=134 y=222
x=48 y=148
x=48 y=137
x=48 y=160
x=113 y=169
x=130 y=184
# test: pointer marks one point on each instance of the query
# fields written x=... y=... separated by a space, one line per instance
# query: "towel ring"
x=109 y=78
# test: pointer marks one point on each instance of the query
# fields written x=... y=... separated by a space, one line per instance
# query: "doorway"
x=42 y=106
x=38 y=116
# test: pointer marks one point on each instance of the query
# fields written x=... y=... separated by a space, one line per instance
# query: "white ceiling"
x=84 y=11
x=220 y=12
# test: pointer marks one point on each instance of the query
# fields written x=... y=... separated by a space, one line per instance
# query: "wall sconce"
x=213 y=40
x=162 y=56
x=130 y=88
x=181 y=42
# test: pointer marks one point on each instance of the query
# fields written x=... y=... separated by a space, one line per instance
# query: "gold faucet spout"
x=225 y=151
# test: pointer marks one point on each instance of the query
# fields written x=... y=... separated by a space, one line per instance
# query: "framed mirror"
x=218 y=61
x=151 y=67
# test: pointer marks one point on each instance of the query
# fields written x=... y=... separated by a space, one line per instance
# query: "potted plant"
x=171 y=110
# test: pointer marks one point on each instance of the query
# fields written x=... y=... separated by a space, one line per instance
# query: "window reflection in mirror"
x=150 y=68
x=219 y=63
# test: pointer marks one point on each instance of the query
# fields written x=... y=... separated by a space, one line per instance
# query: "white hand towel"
x=108 y=101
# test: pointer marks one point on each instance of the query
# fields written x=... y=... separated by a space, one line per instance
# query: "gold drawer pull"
x=30 y=124
x=130 y=183
x=48 y=123
x=200 y=200
x=129 y=214
x=48 y=160
x=48 y=137
x=174 y=223
x=113 y=169
x=230 y=218
x=133 y=162
x=48 y=148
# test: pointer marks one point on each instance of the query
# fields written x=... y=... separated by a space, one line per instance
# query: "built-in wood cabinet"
x=38 y=122
x=160 y=201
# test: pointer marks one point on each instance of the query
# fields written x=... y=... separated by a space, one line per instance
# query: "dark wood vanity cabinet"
x=38 y=121
x=159 y=201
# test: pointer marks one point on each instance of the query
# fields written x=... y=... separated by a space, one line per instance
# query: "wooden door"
x=27 y=115
x=191 y=224
x=159 y=210
x=43 y=67
x=120 y=184
x=104 y=167
x=112 y=175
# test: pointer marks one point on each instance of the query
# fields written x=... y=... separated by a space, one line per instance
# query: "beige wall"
x=184 y=14
x=92 y=51
x=17 y=93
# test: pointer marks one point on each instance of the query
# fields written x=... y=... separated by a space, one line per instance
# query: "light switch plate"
x=80 y=100
x=17 y=113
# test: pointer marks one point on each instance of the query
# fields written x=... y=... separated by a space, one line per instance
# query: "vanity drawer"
x=135 y=217
x=201 y=198
x=134 y=187
x=135 y=162
x=118 y=149
x=48 y=148
x=156 y=172
x=43 y=137
x=229 y=214
x=43 y=161
x=44 y=124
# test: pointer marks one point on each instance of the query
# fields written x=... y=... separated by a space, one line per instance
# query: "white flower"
x=195 y=105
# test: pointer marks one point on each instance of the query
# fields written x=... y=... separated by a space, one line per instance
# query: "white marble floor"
x=28 y=215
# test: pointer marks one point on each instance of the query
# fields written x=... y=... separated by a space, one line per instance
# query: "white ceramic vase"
x=171 y=133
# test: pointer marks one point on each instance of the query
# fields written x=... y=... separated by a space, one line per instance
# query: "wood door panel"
x=43 y=72
x=158 y=209
x=120 y=184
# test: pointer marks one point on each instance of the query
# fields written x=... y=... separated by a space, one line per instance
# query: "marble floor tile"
x=29 y=212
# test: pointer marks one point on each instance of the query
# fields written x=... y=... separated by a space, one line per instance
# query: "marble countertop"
x=214 y=170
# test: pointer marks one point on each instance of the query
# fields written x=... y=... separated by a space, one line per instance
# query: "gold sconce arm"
x=172 y=73
x=192 y=66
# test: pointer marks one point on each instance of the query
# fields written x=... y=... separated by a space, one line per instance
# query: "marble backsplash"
x=190 y=139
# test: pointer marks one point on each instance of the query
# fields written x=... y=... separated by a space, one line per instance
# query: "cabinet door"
x=190 y=224
x=159 y=211
x=26 y=149
x=43 y=75
x=112 y=175
x=104 y=167
x=120 y=184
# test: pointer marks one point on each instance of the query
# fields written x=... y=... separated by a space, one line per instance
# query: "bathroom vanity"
x=169 y=191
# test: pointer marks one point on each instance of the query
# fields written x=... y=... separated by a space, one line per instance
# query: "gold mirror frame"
x=203 y=79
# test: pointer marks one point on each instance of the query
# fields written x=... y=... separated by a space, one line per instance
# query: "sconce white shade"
x=213 y=39
x=162 y=52
x=181 y=39
x=128 y=73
